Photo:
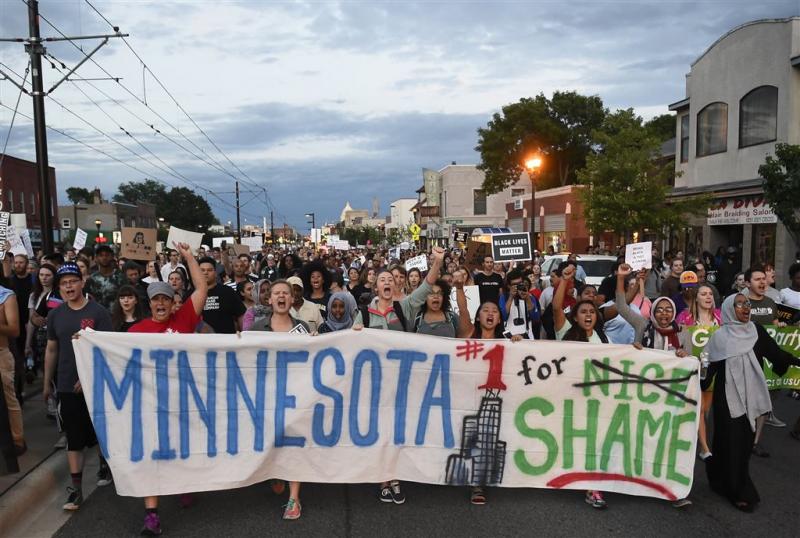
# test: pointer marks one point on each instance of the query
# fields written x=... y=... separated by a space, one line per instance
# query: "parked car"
x=596 y=267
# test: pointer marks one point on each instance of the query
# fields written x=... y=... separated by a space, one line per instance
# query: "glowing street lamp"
x=532 y=165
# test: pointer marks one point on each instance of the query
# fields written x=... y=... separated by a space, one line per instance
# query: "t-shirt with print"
x=489 y=287
x=764 y=311
x=103 y=289
x=183 y=321
x=62 y=323
x=223 y=307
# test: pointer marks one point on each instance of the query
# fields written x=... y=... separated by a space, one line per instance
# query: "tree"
x=782 y=186
x=662 y=127
x=627 y=185
x=179 y=206
x=560 y=128
x=79 y=195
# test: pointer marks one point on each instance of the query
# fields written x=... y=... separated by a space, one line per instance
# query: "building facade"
x=400 y=213
x=742 y=98
x=105 y=217
x=20 y=194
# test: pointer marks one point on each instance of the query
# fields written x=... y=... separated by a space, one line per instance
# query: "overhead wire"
x=14 y=114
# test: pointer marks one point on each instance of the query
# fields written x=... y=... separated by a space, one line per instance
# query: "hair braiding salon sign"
x=179 y=413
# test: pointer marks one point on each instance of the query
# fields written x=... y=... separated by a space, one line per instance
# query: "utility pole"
x=34 y=47
x=238 y=216
x=271 y=227
x=35 y=50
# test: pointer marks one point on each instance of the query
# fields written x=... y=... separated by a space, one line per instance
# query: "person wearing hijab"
x=736 y=352
x=342 y=309
x=261 y=309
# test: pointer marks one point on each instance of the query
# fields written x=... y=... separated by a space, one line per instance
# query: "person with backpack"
x=384 y=313
x=436 y=316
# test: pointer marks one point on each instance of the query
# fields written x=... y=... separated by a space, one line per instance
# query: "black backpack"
x=398 y=311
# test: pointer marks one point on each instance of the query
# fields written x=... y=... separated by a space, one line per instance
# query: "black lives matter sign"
x=511 y=247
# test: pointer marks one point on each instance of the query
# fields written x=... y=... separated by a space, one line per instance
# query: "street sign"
x=511 y=247
x=414 y=229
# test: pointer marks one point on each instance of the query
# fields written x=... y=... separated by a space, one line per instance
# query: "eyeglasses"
x=436 y=293
x=742 y=304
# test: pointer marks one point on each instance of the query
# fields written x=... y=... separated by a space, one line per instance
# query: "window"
x=712 y=129
x=478 y=202
x=517 y=192
x=22 y=202
x=10 y=201
x=684 y=138
x=758 y=116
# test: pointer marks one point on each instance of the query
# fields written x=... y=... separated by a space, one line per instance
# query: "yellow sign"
x=414 y=229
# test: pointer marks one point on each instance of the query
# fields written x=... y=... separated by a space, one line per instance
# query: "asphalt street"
x=354 y=510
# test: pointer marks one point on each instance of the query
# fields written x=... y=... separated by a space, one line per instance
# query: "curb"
x=28 y=493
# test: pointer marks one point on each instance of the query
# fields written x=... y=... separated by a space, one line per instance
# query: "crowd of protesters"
x=45 y=302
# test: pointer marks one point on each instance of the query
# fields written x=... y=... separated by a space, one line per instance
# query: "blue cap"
x=68 y=268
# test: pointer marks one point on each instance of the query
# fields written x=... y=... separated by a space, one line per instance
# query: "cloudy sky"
x=325 y=102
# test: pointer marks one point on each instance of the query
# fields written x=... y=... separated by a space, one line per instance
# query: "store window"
x=478 y=202
x=712 y=129
x=684 y=138
x=763 y=244
x=758 y=116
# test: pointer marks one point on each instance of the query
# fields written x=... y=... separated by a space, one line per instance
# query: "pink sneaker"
x=595 y=499
x=292 y=510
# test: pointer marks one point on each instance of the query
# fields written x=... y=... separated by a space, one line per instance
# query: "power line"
x=14 y=114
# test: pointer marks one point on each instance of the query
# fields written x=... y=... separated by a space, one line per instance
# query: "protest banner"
x=788 y=315
x=639 y=255
x=187 y=413
x=473 y=300
x=515 y=247
x=80 y=239
x=176 y=235
x=138 y=243
x=418 y=262
x=4 y=216
x=788 y=338
x=475 y=253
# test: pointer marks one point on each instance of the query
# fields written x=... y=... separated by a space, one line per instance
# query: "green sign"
x=788 y=338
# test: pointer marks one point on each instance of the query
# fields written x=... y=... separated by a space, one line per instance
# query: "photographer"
x=520 y=308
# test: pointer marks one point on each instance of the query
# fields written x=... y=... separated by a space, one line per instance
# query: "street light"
x=313 y=225
x=98 y=223
x=532 y=165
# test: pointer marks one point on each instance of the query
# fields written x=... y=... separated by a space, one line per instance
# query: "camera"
x=522 y=286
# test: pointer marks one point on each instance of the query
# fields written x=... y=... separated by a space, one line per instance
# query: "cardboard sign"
x=475 y=253
x=138 y=244
x=176 y=235
x=473 y=300
x=639 y=255
x=176 y=413
x=418 y=262
x=80 y=239
x=240 y=249
x=514 y=247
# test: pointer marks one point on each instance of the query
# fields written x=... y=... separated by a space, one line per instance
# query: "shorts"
x=75 y=420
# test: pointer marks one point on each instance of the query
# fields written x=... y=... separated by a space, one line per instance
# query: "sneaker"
x=774 y=421
x=682 y=503
x=104 y=477
x=74 y=498
x=759 y=451
x=477 y=496
x=291 y=510
x=704 y=455
x=61 y=443
x=152 y=525
x=386 y=495
x=595 y=499
x=397 y=495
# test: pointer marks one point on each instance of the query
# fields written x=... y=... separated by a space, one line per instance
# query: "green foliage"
x=560 y=129
x=782 y=186
x=79 y=195
x=179 y=206
x=662 y=127
x=360 y=235
x=627 y=185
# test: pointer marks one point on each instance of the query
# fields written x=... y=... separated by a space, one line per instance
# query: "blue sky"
x=325 y=102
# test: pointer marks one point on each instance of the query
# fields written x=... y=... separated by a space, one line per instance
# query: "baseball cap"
x=160 y=288
x=688 y=279
x=68 y=268
x=295 y=281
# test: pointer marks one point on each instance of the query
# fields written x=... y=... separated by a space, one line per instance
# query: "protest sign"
x=254 y=242
x=26 y=240
x=16 y=246
x=788 y=315
x=177 y=413
x=788 y=338
x=639 y=255
x=511 y=247
x=418 y=262
x=240 y=249
x=176 y=235
x=473 y=300
x=217 y=241
x=340 y=244
x=80 y=239
x=4 y=216
x=475 y=253
x=460 y=237
x=138 y=243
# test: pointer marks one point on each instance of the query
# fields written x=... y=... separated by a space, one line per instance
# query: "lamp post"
x=532 y=165
x=313 y=223
x=98 y=223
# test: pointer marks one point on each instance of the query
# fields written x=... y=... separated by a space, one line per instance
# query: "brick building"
x=20 y=193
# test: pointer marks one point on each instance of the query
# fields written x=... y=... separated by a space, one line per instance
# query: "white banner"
x=181 y=413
